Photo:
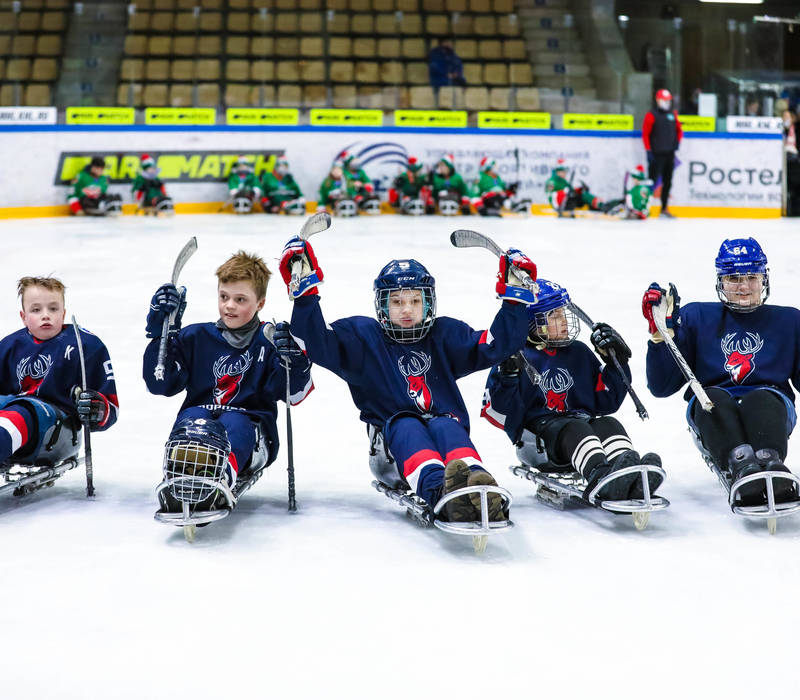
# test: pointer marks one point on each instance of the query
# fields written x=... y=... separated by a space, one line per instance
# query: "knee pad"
x=55 y=436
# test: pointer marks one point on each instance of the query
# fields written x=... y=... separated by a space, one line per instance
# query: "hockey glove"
x=285 y=343
x=508 y=369
x=605 y=338
x=167 y=299
x=652 y=297
x=516 y=278
x=308 y=276
x=92 y=406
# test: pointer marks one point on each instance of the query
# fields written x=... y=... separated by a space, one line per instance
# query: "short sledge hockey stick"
x=87 y=440
x=186 y=252
x=640 y=409
x=313 y=224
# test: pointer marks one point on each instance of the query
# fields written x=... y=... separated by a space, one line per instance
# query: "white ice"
x=347 y=598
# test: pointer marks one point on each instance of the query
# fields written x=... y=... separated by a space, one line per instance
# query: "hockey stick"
x=563 y=203
x=87 y=440
x=660 y=319
x=186 y=252
x=313 y=224
x=269 y=334
x=640 y=409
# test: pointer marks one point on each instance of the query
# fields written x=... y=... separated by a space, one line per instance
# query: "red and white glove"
x=299 y=268
x=652 y=297
x=515 y=280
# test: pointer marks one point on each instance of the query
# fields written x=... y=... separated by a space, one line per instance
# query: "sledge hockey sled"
x=413 y=207
x=371 y=206
x=191 y=500
x=769 y=511
x=557 y=485
x=449 y=207
x=389 y=482
x=345 y=208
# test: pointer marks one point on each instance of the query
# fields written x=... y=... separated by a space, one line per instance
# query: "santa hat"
x=147 y=161
x=487 y=164
x=449 y=161
x=638 y=174
x=413 y=164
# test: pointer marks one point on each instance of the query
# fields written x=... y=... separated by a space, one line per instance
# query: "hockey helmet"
x=147 y=162
x=351 y=163
x=664 y=99
x=243 y=165
x=561 y=167
x=487 y=164
x=281 y=166
x=740 y=262
x=552 y=305
x=448 y=160
x=409 y=275
x=413 y=164
x=196 y=458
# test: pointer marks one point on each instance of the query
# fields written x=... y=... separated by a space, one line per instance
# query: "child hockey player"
x=742 y=352
x=449 y=191
x=638 y=193
x=336 y=192
x=569 y=410
x=89 y=192
x=402 y=369
x=243 y=186
x=492 y=193
x=282 y=194
x=365 y=197
x=563 y=197
x=231 y=373
x=40 y=380
x=409 y=191
x=148 y=189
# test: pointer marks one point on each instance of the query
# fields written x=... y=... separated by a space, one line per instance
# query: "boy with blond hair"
x=40 y=379
x=232 y=373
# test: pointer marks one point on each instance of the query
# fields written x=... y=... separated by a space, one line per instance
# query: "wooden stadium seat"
x=18 y=69
x=473 y=73
x=180 y=95
x=160 y=45
x=408 y=5
x=527 y=98
x=28 y=21
x=6 y=20
x=310 y=4
x=421 y=97
x=476 y=98
x=237 y=70
x=212 y=4
x=312 y=46
x=310 y=23
x=237 y=95
x=485 y=25
x=181 y=69
x=262 y=4
x=344 y=96
x=57 y=4
x=393 y=73
x=262 y=95
x=154 y=95
x=466 y=49
x=490 y=49
x=360 y=5
x=238 y=22
x=384 y=6
x=208 y=94
x=129 y=95
x=262 y=71
x=24 y=45
x=48 y=45
x=508 y=25
x=140 y=22
x=132 y=69
x=502 y=6
x=157 y=70
x=500 y=98
x=367 y=72
x=433 y=5
x=340 y=46
x=148 y=4
x=521 y=74
x=287 y=71
x=483 y=6
x=184 y=45
x=162 y=21
x=135 y=45
x=2 y=68
x=495 y=74
x=208 y=45
x=456 y=5
x=286 y=22
x=394 y=97
x=462 y=24
x=339 y=23
x=185 y=4
x=389 y=48
x=53 y=21
x=336 y=4
x=211 y=22
x=451 y=97
x=44 y=70
x=315 y=96
x=260 y=24
x=289 y=96
x=362 y=24
x=414 y=48
x=262 y=46
x=37 y=95
x=8 y=96
x=186 y=22
x=237 y=46
x=386 y=24
x=207 y=69
x=312 y=71
x=369 y=97
x=239 y=4
x=437 y=25
x=417 y=73
x=287 y=46
x=341 y=71
x=411 y=24
x=364 y=47
x=514 y=49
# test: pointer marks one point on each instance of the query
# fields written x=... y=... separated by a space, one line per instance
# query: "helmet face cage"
x=193 y=468
x=741 y=261
x=538 y=330
x=742 y=277
x=397 y=333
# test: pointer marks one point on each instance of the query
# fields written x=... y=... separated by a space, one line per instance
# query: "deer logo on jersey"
x=740 y=354
x=555 y=387
x=31 y=376
x=229 y=377
x=414 y=372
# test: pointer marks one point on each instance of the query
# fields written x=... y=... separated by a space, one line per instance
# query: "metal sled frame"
x=419 y=510
x=570 y=484
x=23 y=479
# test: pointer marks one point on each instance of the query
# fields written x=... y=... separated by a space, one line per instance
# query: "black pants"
x=662 y=165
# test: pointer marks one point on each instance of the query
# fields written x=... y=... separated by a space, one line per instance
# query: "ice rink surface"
x=347 y=598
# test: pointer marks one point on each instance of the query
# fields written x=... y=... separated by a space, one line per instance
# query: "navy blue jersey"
x=386 y=377
x=218 y=376
x=729 y=349
x=49 y=369
x=573 y=383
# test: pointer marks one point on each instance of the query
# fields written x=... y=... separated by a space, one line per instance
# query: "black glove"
x=509 y=368
x=91 y=405
x=288 y=349
x=605 y=338
x=168 y=298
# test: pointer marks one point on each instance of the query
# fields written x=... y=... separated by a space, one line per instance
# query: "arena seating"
x=31 y=43
x=316 y=53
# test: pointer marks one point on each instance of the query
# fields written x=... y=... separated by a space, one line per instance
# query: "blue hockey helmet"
x=551 y=320
x=196 y=458
x=742 y=274
x=396 y=276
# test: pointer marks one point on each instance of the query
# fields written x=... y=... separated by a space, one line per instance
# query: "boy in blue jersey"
x=569 y=410
x=231 y=373
x=744 y=353
x=40 y=377
x=402 y=369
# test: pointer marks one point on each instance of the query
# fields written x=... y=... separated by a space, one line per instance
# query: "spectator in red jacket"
x=661 y=133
